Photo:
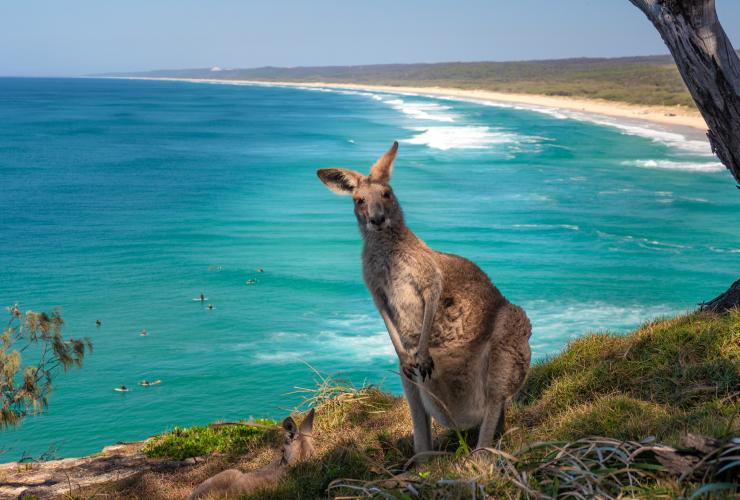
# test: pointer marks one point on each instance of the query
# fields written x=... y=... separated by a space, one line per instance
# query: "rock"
x=65 y=476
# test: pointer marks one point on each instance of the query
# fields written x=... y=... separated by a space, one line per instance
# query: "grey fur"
x=232 y=483
x=463 y=349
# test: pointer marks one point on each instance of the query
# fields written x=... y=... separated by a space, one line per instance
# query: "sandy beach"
x=671 y=116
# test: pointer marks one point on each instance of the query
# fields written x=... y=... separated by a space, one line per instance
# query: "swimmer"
x=260 y=270
x=210 y=306
x=251 y=281
x=144 y=333
x=98 y=323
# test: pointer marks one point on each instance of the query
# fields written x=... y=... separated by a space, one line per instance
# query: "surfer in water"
x=144 y=333
x=210 y=306
x=123 y=388
x=98 y=323
x=202 y=297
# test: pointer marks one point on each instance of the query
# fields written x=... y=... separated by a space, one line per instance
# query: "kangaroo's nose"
x=377 y=220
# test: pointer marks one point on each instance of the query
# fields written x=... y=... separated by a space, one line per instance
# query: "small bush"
x=181 y=443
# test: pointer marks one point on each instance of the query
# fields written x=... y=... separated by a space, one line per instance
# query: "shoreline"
x=670 y=116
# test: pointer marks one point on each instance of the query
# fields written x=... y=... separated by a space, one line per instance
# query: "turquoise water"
x=123 y=200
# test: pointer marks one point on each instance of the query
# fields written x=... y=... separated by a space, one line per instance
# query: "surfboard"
x=118 y=389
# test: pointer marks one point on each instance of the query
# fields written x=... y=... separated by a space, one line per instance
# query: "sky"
x=76 y=37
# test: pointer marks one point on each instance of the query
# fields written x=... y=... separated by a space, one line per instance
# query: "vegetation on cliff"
x=652 y=413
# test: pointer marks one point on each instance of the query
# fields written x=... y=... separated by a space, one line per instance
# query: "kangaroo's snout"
x=378 y=220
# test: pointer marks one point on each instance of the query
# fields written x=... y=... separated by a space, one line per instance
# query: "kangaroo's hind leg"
x=493 y=423
x=509 y=363
x=419 y=417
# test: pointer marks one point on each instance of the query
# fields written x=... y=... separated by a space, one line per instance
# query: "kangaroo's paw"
x=425 y=365
x=408 y=367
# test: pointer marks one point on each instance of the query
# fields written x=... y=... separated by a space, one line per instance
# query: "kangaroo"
x=232 y=483
x=463 y=349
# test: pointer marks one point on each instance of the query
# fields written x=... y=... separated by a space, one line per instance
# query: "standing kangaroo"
x=463 y=349
x=232 y=483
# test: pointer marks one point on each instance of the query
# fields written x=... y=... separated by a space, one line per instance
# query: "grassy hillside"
x=673 y=382
x=651 y=80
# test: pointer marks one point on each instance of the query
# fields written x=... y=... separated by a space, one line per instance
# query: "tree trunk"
x=725 y=301
x=708 y=65
x=710 y=68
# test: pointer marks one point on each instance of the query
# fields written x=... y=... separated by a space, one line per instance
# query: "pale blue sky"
x=68 y=37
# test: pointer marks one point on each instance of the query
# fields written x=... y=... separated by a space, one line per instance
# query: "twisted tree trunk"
x=711 y=70
x=708 y=65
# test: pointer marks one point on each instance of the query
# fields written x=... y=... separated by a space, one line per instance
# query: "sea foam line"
x=677 y=165
x=671 y=139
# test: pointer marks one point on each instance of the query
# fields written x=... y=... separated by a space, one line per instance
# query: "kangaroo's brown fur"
x=463 y=348
x=232 y=483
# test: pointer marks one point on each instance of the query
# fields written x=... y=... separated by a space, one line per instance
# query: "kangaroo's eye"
x=360 y=201
x=387 y=194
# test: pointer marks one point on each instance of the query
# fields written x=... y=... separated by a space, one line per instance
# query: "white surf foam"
x=569 y=227
x=724 y=250
x=647 y=243
x=462 y=137
x=555 y=324
x=688 y=166
x=669 y=138
x=360 y=337
x=422 y=110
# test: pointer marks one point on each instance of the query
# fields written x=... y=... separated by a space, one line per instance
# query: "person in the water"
x=98 y=322
x=123 y=388
x=202 y=297
x=144 y=333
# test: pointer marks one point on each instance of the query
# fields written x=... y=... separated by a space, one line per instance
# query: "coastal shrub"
x=181 y=443
x=25 y=389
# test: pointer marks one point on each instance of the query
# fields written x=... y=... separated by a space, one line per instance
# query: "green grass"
x=668 y=376
x=591 y=421
x=181 y=443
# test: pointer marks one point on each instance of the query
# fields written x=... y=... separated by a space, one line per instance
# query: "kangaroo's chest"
x=398 y=283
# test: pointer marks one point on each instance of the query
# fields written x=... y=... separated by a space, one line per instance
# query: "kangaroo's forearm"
x=382 y=306
x=393 y=333
x=430 y=296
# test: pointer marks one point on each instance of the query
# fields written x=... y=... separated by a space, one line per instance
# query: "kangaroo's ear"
x=339 y=180
x=381 y=171
x=290 y=428
x=307 y=424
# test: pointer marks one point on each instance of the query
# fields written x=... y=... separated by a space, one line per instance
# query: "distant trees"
x=24 y=390
x=710 y=68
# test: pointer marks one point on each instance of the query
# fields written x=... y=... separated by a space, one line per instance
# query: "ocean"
x=123 y=200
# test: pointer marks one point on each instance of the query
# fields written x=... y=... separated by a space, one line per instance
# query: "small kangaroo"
x=232 y=483
x=463 y=349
